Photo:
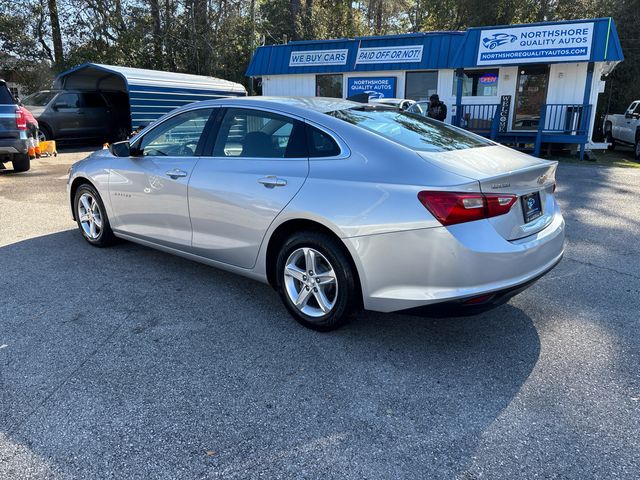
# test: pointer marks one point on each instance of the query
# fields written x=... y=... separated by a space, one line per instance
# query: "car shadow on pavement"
x=143 y=364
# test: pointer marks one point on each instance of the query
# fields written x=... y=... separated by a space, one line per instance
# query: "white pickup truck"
x=624 y=128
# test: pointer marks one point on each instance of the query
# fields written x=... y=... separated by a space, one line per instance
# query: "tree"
x=56 y=34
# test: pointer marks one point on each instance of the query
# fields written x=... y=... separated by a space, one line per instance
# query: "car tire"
x=610 y=140
x=637 y=149
x=91 y=217
x=338 y=291
x=43 y=134
x=21 y=163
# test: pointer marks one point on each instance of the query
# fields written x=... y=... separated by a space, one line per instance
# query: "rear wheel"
x=637 y=149
x=315 y=281
x=21 y=163
x=610 y=140
x=91 y=217
x=43 y=134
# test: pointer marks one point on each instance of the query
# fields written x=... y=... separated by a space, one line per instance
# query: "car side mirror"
x=121 y=149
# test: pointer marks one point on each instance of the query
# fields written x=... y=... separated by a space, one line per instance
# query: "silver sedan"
x=338 y=205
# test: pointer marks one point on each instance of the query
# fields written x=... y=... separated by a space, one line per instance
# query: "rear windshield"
x=5 y=95
x=411 y=130
x=39 y=99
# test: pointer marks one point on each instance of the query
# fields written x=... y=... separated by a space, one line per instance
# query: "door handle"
x=271 y=181
x=176 y=173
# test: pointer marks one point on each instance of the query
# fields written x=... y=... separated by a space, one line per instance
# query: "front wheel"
x=91 y=217
x=316 y=282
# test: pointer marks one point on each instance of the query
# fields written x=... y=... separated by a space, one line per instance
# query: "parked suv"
x=13 y=132
x=79 y=114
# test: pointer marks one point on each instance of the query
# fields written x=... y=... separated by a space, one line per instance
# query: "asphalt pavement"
x=129 y=363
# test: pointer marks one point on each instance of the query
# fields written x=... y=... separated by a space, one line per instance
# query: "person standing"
x=32 y=128
x=437 y=109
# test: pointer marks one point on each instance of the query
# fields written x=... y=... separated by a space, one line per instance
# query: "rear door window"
x=68 y=100
x=259 y=134
x=93 y=100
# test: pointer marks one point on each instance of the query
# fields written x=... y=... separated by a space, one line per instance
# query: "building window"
x=329 y=86
x=420 y=85
x=478 y=83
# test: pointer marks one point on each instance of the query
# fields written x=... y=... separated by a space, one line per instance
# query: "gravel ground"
x=129 y=363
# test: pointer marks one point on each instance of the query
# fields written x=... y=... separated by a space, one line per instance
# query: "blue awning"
x=591 y=40
x=415 y=51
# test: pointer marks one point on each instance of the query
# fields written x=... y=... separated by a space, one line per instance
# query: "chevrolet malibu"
x=337 y=205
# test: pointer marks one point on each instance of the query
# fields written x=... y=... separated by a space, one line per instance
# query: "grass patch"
x=620 y=157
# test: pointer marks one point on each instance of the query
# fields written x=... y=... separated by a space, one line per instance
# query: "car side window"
x=321 y=144
x=416 y=108
x=68 y=100
x=177 y=137
x=258 y=134
x=93 y=100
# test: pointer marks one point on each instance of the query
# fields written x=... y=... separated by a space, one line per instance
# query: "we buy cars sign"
x=535 y=44
x=310 y=58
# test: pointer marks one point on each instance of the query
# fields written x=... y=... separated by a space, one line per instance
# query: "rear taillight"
x=21 y=120
x=454 y=207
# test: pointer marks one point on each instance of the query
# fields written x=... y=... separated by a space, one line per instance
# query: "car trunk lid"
x=501 y=170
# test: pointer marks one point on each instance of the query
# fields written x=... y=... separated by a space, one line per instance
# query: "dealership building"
x=530 y=84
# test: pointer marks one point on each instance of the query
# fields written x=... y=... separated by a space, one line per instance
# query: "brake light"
x=21 y=120
x=455 y=207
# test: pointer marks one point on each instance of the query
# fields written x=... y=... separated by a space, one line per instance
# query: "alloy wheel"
x=310 y=282
x=90 y=216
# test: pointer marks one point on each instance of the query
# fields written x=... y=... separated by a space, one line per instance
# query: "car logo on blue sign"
x=498 y=39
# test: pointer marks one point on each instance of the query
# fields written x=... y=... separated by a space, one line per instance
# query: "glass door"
x=531 y=95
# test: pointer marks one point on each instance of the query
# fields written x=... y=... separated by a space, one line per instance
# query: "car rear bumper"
x=410 y=269
x=12 y=146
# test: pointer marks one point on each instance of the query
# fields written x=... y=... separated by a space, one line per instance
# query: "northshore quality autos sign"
x=541 y=43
